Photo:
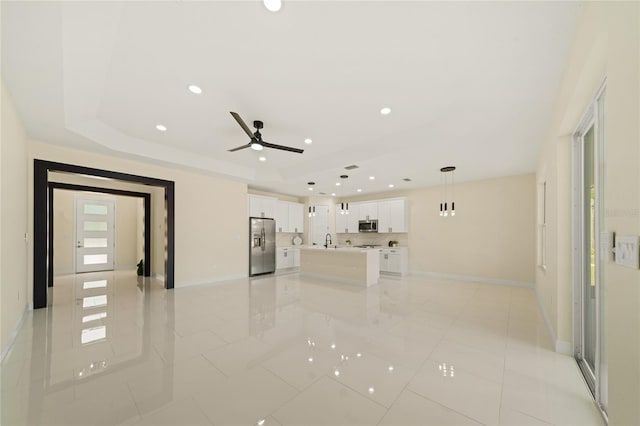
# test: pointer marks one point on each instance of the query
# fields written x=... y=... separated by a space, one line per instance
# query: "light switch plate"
x=627 y=251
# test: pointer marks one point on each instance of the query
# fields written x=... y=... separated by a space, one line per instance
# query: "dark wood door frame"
x=71 y=187
x=43 y=204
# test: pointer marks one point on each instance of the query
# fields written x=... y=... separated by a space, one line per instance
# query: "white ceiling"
x=470 y=84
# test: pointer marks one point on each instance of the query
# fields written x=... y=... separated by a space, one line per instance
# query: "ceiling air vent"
x=351 y=167
x=406 y=179
x=323 y=193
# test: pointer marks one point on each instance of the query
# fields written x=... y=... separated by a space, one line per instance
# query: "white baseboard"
x=157 y=277
x=14 y=334
x=564 y=347
x=547 y=321
x=560 y=346
x=484 y=280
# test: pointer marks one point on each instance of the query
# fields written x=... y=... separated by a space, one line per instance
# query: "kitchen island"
x=349 y=265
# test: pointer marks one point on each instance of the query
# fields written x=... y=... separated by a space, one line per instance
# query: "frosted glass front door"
x=94 y=235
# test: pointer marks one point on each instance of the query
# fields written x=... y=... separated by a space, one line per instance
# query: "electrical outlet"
x=627 y=251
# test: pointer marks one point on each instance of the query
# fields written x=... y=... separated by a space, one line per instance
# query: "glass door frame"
x=593 y=117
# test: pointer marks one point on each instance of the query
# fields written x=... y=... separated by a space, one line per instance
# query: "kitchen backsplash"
x=285 y=239
x=373 y=239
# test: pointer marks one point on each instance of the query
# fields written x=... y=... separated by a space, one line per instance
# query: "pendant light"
x=446 y=177
x=344 y=208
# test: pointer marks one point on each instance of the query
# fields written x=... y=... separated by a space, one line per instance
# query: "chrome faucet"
x=327 y=238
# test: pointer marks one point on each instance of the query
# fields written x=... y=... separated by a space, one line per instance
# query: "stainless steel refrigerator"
x=262 y=247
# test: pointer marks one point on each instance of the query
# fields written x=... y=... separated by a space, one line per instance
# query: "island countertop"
x=351 y=265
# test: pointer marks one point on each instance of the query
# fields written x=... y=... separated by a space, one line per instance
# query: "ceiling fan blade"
x=282 y=147
x=242 y=124
x=240 y=147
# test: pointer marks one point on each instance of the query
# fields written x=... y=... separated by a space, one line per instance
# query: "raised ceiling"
x=470 y=84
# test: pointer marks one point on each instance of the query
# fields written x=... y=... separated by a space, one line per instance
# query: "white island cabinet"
x=344 y=265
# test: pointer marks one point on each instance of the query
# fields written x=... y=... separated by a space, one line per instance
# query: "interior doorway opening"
x=43 y=221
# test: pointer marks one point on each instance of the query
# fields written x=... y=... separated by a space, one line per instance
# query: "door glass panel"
x=95 y=242
x=589 y=220
x=95 y=259
x=95 y=209
x=94 y=226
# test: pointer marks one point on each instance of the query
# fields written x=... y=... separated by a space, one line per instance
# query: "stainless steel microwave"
x=367 y=226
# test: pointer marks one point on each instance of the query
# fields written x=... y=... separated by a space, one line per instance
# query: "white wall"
x=210 y=215
x=491 y=237
x=606 y=45
x=13 y=220
x=126 y=230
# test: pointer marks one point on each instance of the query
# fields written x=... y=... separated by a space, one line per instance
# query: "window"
x=542 y=225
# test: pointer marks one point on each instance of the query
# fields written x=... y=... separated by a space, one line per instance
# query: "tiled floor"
x=115 y=349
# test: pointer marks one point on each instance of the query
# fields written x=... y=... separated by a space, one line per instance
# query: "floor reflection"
x=115 y=348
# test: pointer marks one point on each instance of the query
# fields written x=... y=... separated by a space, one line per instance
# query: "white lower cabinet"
x=287 y=257
x=394 y=261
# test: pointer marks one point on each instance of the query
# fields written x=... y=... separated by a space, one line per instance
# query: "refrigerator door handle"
x=263 y=238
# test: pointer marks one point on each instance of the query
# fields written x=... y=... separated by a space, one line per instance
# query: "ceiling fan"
x=256 y=138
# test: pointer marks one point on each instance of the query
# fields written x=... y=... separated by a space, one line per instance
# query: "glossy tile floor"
x=283 y=350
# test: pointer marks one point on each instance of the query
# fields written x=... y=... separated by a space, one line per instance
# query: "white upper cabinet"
x=282 y=216
x=341 y=222
x=368 y=210
x=289 y=217
x=392 y=215
x=260 y=206
x=296 y=217
x=347 y=222
x=353 y=217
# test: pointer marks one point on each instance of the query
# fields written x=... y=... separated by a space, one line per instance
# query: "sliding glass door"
x=589 y=254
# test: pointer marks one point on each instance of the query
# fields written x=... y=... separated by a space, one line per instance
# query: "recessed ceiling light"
x=262 y=158
x=338 y=184
x=161 y=127
x=333 y=194
x=308 y=141
x=273 y=5
x=359 y=190
x=195 y=89
x=372 y=177
x=385 y=111
x=310 y=189
x=390 y=185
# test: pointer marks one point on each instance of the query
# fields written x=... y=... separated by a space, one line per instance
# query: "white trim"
x=158 y=277
x=484 y=280
x=560 y=346
x=14 y=334
x=564 y=347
